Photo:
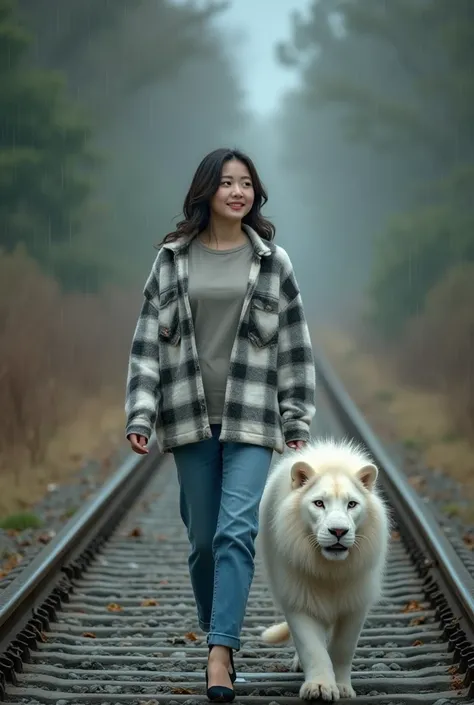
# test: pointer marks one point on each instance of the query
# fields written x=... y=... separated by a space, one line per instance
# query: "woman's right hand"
x=138 y=443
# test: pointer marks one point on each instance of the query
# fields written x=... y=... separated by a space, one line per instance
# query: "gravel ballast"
x=18 y=548
x=129 y=634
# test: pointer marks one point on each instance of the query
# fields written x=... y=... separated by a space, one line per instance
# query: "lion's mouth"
x=336 y=547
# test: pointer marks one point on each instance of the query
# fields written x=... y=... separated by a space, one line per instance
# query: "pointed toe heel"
x=219 y=693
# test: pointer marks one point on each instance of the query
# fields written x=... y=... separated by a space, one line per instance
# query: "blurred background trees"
x=383 y=125
x=380 y=135
x=106 y=107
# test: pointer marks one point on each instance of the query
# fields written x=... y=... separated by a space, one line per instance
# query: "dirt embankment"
x=406 y=414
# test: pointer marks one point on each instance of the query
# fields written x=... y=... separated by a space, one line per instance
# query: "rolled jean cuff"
x=216 y=639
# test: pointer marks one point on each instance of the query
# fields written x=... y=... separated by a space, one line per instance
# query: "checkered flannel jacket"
x=270 y=394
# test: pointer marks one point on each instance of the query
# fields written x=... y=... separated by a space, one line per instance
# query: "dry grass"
x=94 y=433
x=437 y=350
x=397 y=411
x=62 y=378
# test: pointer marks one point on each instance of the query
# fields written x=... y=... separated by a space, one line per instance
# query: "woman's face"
x=235 y=196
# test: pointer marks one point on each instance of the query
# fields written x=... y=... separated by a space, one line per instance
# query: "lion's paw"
x=346 y=690
x=296 y=665
x=323 y=689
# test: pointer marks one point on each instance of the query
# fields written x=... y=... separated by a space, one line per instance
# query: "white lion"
x=324 y=536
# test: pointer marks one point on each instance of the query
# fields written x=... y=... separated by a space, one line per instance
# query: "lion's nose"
x=338 y=533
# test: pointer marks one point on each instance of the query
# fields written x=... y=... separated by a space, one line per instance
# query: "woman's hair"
x=204 y=185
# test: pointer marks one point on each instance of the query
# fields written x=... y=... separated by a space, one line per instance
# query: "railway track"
x=105 y=613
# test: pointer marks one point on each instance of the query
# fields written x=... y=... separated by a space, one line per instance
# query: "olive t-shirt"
x=217 y=285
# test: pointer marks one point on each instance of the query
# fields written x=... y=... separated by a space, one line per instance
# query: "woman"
x=221 y=366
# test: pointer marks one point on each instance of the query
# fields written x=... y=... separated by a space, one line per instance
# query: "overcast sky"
x=263 y=23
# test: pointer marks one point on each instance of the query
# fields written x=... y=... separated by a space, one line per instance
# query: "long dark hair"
x=206 y=181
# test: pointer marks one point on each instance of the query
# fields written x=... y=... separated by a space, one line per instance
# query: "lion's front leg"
x=310 y=639
x=342 y=647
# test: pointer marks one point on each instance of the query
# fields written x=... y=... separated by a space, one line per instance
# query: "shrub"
x=437 y=350
x=55 y=349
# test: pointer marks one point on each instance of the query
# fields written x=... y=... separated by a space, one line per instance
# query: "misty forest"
x=106 y=108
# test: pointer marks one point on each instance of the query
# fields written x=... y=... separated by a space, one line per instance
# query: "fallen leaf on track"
x=136 y=532
x=457 y=683
x=412 y=606
x=468 y=540
x=417 y=621
x=12 y=562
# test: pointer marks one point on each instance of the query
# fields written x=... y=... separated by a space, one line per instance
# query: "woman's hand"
x=296 y=445
x=138 y=443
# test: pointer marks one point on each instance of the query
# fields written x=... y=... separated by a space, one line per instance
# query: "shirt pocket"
x=263 y=321
x=168 y=316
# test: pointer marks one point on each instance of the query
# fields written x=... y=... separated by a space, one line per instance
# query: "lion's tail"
x=277 y=633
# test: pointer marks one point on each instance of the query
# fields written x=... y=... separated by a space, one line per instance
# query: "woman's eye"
x=319 y=503
x=352 y=504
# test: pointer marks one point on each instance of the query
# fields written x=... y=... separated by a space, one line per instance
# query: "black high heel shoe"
x=220 y=693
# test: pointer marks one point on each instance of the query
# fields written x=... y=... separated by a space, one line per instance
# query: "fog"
x=358 y=116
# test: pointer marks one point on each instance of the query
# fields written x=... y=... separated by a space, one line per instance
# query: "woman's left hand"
x=296 y=445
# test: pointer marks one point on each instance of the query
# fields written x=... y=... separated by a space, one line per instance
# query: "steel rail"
x=30 y=602
x=441 y=560
x=94 y=521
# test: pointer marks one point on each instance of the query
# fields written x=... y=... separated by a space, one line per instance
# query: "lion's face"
x=333 y=507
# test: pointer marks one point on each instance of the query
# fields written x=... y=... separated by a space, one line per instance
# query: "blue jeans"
x=221 y=485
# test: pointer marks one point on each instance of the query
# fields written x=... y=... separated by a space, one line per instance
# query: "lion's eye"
x=319 y=503
x=352 y=504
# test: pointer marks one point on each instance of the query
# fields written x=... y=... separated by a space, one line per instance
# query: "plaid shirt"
x=270 y=392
